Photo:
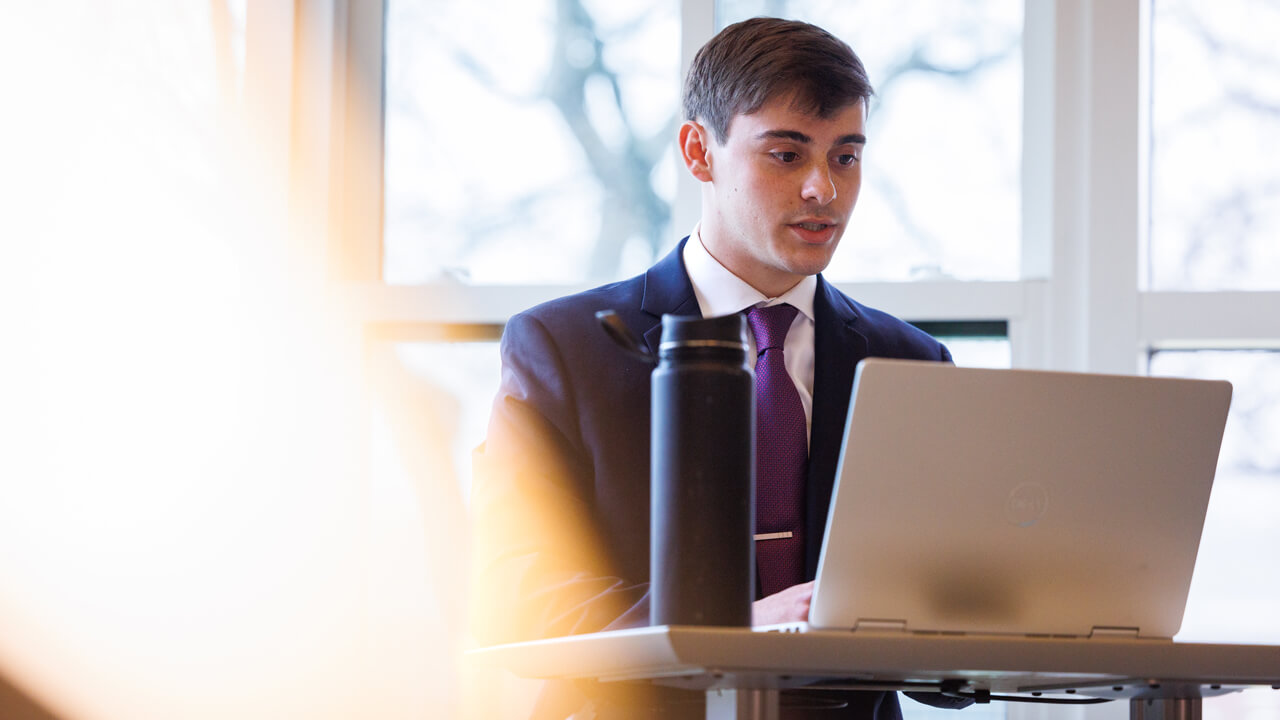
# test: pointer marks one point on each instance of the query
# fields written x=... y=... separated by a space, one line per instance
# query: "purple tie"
x=782 y=452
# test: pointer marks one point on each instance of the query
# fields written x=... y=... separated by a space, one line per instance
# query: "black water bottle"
x=702 y=558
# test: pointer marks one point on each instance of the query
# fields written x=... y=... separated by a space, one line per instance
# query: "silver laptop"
x=1016 y=501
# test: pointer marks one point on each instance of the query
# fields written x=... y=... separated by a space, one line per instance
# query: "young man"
x=775 y=127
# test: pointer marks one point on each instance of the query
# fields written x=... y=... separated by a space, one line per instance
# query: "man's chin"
x=813 y=261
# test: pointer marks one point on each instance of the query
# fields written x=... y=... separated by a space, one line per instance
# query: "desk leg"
x=1162 y=709
x=743 y=705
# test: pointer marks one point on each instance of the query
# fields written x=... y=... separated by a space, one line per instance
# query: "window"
x=1215 y=81
x=530 y=142
x=1215 y=216
x=1230 y=600
x=457 y=381
x=1037 y=169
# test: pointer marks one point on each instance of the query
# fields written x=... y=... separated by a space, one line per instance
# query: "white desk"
x=742 y=670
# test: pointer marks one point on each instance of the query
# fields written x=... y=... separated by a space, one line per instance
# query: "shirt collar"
x=720 y=292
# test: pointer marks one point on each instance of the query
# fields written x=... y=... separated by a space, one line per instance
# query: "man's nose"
x=818 y=184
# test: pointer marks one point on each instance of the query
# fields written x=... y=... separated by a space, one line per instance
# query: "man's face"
x=782 y=187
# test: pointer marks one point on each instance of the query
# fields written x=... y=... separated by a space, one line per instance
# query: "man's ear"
x=695 y=146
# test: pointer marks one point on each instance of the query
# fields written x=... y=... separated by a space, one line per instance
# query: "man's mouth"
x=815 y=231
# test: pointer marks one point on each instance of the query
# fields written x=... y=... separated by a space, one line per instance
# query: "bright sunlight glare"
x=182 y=509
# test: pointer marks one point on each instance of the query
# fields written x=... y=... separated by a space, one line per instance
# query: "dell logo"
x=1027 y=503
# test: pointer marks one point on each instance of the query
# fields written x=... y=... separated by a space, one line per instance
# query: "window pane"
x=456 y=383
x=941 y=179
x=430 y=411
x=529 y=142
x=1231 y=599
x=1232 y=596
x=980 y=352
x=1215 y=185
x=973 y=343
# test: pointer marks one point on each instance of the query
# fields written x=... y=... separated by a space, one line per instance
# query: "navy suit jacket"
x=561 y=493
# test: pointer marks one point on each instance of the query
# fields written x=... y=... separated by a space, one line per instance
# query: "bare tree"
x=631 y=206
x=623 y=169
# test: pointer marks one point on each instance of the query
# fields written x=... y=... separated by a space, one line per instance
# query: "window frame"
x=1081 y=303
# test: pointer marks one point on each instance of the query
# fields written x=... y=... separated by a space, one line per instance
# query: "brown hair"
x=749 y=63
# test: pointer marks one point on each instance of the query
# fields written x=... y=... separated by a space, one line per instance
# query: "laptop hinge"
x=880 y=625
x=1113 y=633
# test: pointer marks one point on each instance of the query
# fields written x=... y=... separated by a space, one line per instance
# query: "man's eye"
x=847 y=160
x=787 y=156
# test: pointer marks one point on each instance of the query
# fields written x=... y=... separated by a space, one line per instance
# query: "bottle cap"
x=686 y=331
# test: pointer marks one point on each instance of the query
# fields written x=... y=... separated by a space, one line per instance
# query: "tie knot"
x=770 y=325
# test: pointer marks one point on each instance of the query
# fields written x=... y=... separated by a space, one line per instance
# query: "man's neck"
x=768 y=282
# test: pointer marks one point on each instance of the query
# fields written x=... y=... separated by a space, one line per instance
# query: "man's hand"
x=790 y=605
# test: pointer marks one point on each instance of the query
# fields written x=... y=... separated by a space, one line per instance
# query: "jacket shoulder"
x=887 y=335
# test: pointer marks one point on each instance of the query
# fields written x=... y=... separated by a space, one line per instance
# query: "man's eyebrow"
x=797 y=136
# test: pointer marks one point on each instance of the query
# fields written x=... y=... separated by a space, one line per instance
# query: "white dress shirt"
x=720 y=292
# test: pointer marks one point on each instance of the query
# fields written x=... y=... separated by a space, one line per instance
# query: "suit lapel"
x=838 y=347
x=666 y=290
